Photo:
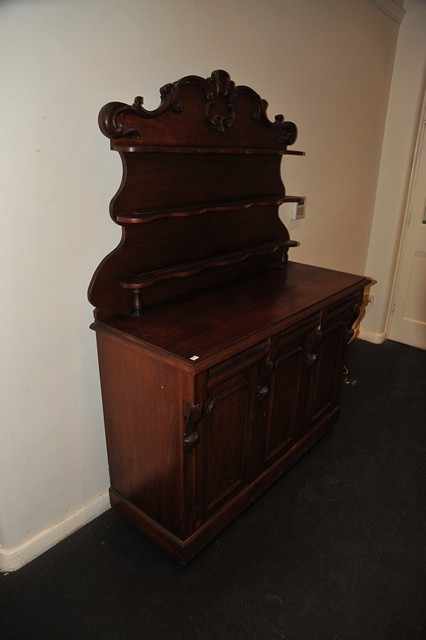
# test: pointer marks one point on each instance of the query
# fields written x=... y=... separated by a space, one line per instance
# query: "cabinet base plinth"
x=185 y=550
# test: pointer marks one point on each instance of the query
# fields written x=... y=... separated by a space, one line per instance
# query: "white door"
x=408 y=319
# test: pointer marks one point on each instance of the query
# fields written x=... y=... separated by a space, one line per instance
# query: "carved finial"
x=222 y=82
x=138 y=103
x=220 y=88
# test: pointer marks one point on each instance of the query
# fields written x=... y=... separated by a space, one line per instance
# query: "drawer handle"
x=262 y=392
x=210 y=406
x=312 y=344
x=311 y=357
x=191 y=439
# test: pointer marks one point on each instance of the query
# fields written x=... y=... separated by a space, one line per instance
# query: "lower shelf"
x=185 y=550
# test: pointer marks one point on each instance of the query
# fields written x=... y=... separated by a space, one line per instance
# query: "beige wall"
x=408 y=85
x=324 y=63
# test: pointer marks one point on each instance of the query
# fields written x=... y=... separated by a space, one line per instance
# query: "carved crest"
x=220 y=89
x=223 y=108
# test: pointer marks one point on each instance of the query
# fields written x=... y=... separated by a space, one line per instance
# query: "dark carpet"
x=336 y=550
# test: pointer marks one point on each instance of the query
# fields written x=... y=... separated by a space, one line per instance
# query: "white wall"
x=407 y=88
x=326 y=64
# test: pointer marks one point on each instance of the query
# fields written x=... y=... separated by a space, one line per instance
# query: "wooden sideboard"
x=220 y=361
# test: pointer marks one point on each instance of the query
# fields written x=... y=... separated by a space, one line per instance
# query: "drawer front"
x=345 y=311
x=237 y=363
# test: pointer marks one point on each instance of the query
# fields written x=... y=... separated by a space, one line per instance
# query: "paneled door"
x=224 y=431
x=326 y=359
x=286 y=401
x=408 y=311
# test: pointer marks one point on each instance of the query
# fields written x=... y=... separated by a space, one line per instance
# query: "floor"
x=335 y=551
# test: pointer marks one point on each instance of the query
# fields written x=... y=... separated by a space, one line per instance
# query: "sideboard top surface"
x=209 y=324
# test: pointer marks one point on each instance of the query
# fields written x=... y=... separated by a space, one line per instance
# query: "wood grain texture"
x=218 y=322
x=251 y=413
x=185 y=549
x=142 y=402
x=220 y=361
x=197 y=111
x=205 y=167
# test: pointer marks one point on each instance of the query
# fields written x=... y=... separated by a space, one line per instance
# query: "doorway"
x=407 y=318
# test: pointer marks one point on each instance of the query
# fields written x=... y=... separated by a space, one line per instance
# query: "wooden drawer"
x=233 y=365
x=345 y=310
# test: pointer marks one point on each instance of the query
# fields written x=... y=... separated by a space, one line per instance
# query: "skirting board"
x=372 y=336
x=13 y=558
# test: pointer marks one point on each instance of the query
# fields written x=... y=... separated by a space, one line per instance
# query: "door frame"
x=406 y=214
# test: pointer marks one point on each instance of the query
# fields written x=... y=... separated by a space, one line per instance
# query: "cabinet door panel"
x=285 y=403
x=223 y=441
x=328 y=371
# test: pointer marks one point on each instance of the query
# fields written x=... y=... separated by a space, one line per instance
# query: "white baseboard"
x=372 y=336
x=13 y=558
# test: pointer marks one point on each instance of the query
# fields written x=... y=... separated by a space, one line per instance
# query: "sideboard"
x=220 y=360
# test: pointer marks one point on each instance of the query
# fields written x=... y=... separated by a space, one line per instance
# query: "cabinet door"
x=225 y=430
x=223 y=441
x=326 y=372
x=286 y=397
x=280 y=398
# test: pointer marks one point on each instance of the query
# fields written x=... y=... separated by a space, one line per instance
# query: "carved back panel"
x=198 y=202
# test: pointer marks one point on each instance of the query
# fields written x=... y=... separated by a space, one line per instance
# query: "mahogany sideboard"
x=220 y=361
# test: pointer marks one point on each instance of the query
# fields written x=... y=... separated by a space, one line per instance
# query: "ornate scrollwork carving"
x=193 y=414
x=285 y=129
x=113 y=116
x=218 y=96
x=351 y=325
x=220 y=88
x=112 y=122
x=169 y=94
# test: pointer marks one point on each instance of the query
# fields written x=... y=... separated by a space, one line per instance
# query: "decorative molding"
x=372 y=336
x=13 y=558
x=220 y=85
x=219 y=95
x=391 y=8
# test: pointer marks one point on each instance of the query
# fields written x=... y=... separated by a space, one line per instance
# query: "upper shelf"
x=135 y=147
x=186 y=211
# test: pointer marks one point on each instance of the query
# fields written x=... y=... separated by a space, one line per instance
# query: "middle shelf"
x=188 y=269
x=189 y=210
